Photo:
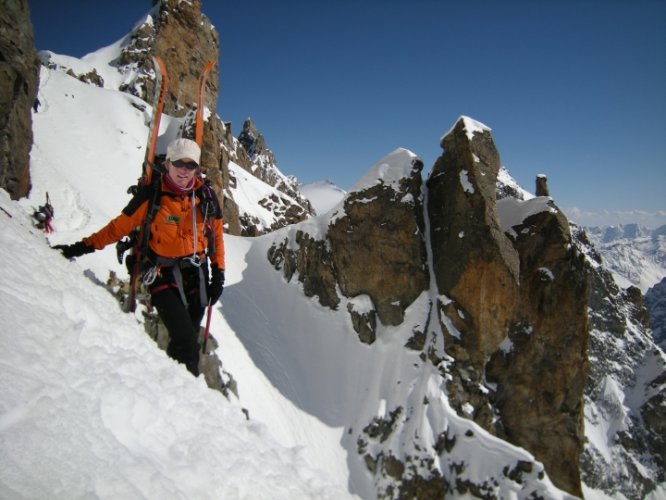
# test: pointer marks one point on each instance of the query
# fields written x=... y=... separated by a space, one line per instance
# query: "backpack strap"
x=210 y=208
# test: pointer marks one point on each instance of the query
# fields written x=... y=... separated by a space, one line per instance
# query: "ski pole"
x=205 y=339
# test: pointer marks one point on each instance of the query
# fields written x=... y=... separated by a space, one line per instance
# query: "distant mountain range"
x=634 y=254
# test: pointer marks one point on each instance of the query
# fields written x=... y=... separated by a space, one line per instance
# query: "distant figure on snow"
x=44 y=215
x=183 y=273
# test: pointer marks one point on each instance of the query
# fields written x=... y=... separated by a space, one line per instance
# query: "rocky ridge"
x=291 y=208
x=625 y=394
x=515 y=293
x=655 y=301
x=508 y=299
x=510 y=282
x=19 y=80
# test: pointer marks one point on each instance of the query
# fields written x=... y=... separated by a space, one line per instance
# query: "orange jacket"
x=171 y=233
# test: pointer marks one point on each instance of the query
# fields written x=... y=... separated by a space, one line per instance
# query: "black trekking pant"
x=182 y=321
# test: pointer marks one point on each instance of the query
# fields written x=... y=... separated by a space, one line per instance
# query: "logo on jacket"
x=172 y=219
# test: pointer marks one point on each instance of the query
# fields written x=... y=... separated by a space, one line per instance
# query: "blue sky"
x=575 y=90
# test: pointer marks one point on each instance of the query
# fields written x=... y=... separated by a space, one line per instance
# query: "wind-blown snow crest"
x=512 y=212
x=388 y=171
x=471 y=127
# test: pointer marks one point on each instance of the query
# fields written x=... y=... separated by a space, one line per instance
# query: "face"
x=179 y=173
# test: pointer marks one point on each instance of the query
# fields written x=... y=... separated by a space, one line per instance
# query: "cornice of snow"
x=389 y=171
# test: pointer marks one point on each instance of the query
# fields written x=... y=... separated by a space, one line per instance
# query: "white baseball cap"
x=183 y=148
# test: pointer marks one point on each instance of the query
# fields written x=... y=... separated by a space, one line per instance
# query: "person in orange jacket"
x=180 y=279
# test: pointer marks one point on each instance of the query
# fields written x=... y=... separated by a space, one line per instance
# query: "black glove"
x=76 y=250
x=216 y=285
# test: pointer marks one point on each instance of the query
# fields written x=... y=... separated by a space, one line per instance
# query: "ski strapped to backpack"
x=198 y=131
x=198 y=137
x=137 y=242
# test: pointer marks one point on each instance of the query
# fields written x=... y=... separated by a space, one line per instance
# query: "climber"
x=44 y=215
x=184 y=244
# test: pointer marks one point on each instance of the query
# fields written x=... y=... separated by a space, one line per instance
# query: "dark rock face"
x=542 y=378
x=255 y=145
x=517 y=307
x=19 y=76
x=378 y=247
x=475 y=264
x=655 y=301
x=262 y=164
x=373 y=249
x=311 y=263
x=186 y=40
x=542 y=186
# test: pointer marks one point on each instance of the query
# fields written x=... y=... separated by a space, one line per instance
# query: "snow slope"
x=86 y=168
x=88 y=405
x=90 y=408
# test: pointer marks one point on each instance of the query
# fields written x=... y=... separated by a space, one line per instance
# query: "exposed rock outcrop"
x=510 y=294
x=290 y=209
x=475 y=264
x=373 y=252
x=19 y=76
x=255 y=145
x=655 y=301
x=541 y=371
x=542 y=186
x=377 y=242
x=515 y=310
x=186 y=40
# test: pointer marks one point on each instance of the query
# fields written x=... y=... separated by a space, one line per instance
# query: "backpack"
x=139 y=237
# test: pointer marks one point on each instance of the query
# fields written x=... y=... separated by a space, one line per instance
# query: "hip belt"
x=176 y=266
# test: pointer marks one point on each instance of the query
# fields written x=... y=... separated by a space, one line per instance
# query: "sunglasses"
x=189 y=165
